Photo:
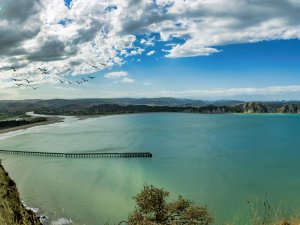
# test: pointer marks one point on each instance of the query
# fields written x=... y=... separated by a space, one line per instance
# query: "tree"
x=153 y=209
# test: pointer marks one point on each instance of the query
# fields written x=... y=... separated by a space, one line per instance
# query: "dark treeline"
x=20 y=122
x=13 y=123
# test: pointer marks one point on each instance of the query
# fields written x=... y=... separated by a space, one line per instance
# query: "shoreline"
x=12 y=210
x=35 y=218
x=50 y=120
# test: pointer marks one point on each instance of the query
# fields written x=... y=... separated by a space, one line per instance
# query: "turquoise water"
x=218 y=160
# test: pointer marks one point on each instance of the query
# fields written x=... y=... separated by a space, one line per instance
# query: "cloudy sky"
x=201 y=49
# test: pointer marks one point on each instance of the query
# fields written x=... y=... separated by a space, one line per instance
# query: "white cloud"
x=231 y=92
x=186 y=51
x=290 y=92
x=205 y=24
x=117 y=74
x=148 y=42
x=120 y=76
x=65 y=41
x=127 y=80
x=150 y=53
x=216 y=93
x=135 y=51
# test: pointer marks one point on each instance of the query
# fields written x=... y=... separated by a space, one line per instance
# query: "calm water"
x=218 y=160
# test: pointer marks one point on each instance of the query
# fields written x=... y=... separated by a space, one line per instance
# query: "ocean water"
x=216 y=160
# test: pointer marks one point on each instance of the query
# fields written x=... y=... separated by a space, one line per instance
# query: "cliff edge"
x=12 y=212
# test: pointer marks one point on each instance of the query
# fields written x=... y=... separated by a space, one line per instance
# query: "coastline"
x=12 y=210
x=30 y=216
x=50 y=120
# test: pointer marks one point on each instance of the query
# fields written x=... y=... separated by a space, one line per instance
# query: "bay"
x=217 y=160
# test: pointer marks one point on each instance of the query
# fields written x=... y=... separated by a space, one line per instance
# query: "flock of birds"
x=27 y=82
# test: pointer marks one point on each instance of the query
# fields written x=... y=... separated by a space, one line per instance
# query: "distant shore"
x=50 y=120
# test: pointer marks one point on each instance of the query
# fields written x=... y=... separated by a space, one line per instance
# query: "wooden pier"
x=81 y=155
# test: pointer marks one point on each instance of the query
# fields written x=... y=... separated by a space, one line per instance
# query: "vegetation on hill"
x=105 y=109
x=12 y=212
x=132 y=105
x=152 y=208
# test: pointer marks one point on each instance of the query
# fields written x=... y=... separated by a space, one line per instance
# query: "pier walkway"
x=81 y=155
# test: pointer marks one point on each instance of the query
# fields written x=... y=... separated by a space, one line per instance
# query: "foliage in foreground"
x=152 y=208
x=262 y=213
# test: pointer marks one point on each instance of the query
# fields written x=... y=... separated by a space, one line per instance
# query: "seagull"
x=42 y=69
x=95 y=67
x=103 y=64
x=69 y=82
x=84 y=80
x=61 y=81
x=92 y=78
x=34 y=88
x=15 y=79
x=28 y=81
x=14 y=69
x=19 y=85
x=78 y=82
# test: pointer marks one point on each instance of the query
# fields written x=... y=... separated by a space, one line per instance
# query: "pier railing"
x=81 y=155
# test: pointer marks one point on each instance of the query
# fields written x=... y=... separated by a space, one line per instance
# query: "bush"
x=153 y=209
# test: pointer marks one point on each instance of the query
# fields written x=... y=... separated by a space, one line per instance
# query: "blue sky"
x=255 y=65
x=246 y=50
x=268 y=63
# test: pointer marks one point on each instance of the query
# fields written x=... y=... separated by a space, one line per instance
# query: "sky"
x=199 y=49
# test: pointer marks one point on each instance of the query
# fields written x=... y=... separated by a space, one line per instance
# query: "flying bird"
x=15 y=79
x=92 y=78
x=70 y=82
x=14 y=69
x=78 y=82
x=103 y=64
x=61 y=81
x=19 y=85
x=95 y=67
x=84 y=80
x=28 y=81
x=42 y=69
x=34 y=88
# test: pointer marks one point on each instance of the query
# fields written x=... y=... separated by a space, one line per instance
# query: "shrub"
x=153 y=209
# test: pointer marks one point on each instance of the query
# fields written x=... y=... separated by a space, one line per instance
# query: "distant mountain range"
x=121 y=101
x=131 y=105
